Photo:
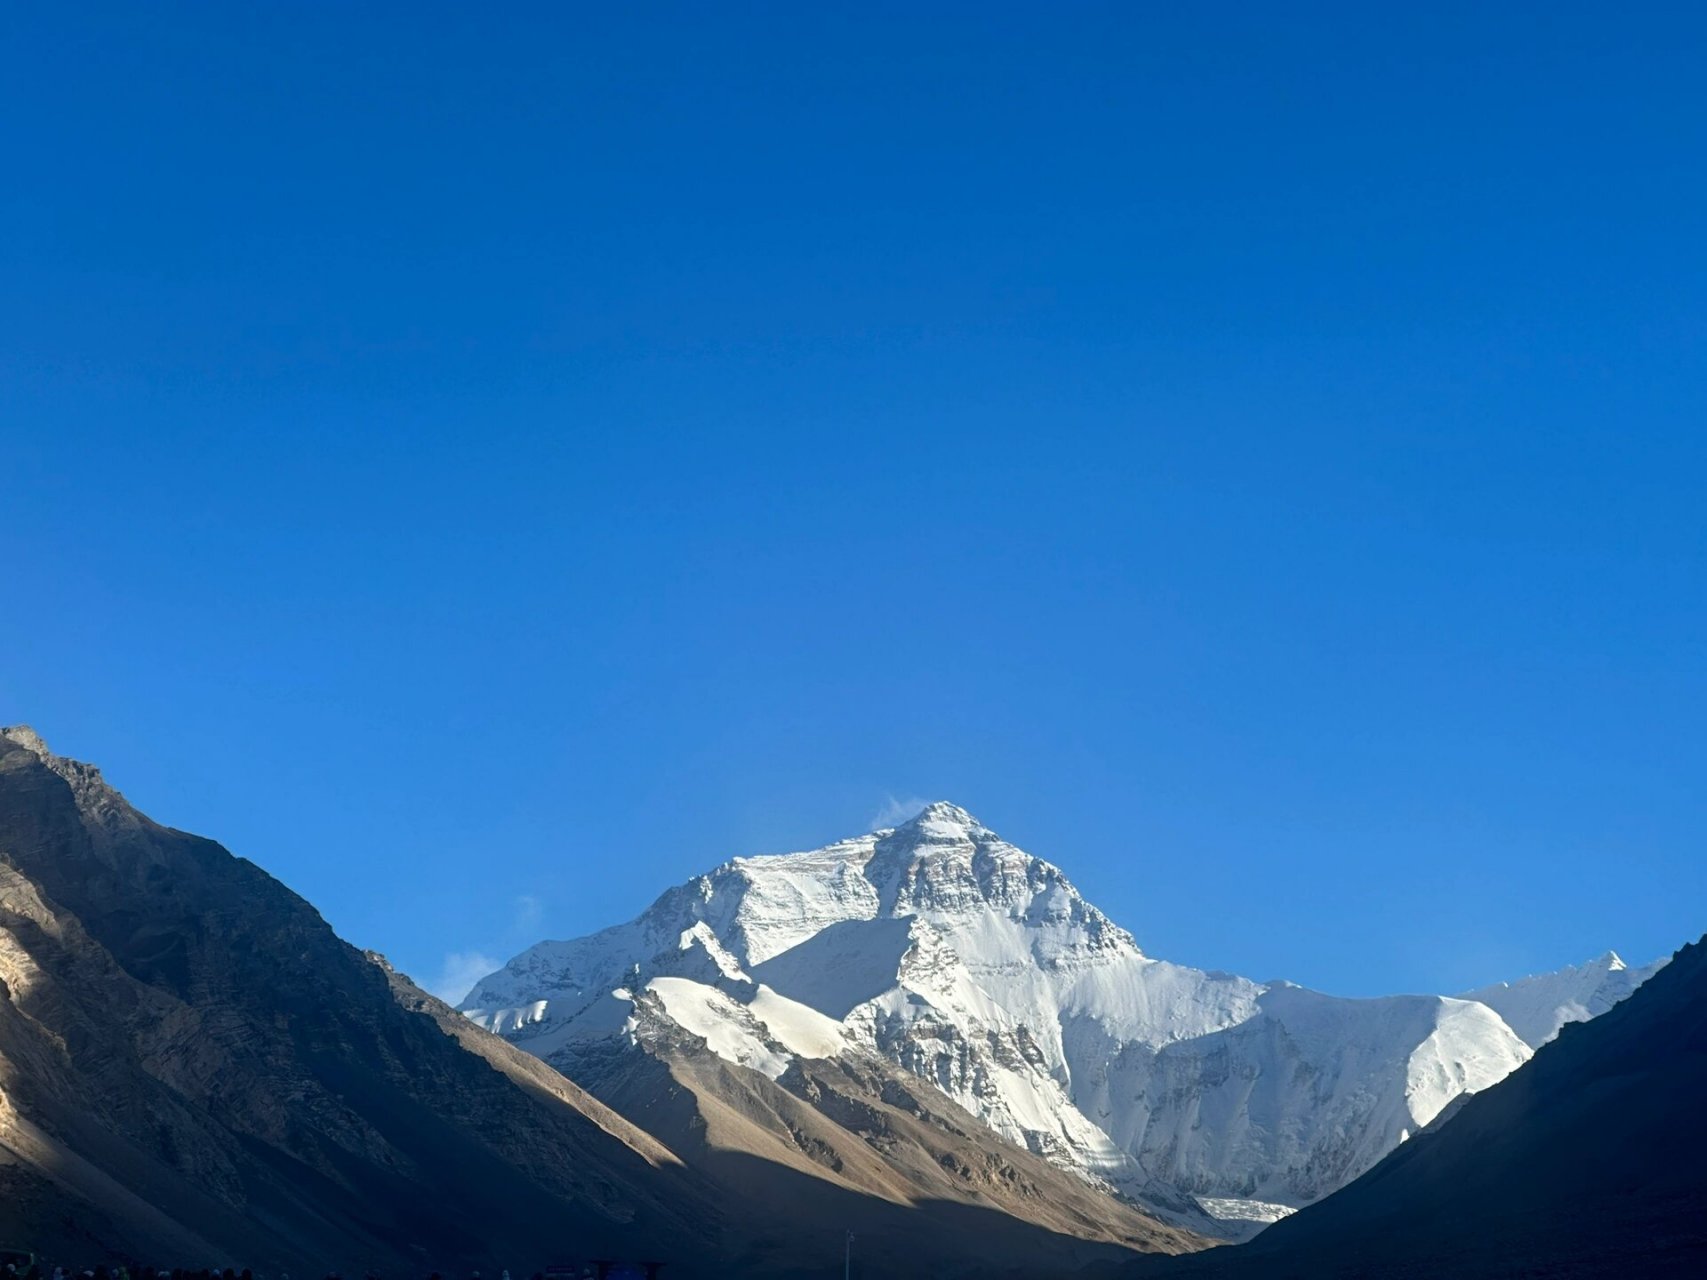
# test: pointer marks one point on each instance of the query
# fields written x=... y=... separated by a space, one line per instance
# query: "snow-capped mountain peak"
x=941 y=947
x=944 y=818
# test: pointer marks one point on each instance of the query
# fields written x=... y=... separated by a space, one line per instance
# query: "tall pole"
x=847 y=1257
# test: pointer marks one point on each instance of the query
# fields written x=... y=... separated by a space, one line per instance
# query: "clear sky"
x=490 y=463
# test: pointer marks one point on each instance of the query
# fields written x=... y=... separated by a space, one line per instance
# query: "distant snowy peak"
x=1537 y=1007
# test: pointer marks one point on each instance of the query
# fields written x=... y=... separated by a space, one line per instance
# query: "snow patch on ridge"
x=725 y=1027
x=799 y=1029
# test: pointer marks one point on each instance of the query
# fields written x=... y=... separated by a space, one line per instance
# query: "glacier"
x=978 y=967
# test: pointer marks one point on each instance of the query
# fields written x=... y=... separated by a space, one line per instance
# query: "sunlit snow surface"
x=979 y=968
x=1538 y=1007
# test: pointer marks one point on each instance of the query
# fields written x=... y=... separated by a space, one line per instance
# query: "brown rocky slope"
x=854 y=1143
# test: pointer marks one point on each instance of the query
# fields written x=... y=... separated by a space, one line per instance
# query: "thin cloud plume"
x=893 y=812
x=458 y=974
x=529 y=912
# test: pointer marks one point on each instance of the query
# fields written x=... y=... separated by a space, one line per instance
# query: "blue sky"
x=489 y=467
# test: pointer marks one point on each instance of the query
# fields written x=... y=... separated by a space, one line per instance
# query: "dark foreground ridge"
x=1589 y=1161
x=195 y=1068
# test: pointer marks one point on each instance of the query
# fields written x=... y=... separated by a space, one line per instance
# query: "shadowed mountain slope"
x=193 y=1066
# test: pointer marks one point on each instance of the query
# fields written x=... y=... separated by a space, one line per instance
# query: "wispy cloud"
x=893 y=812
x=460 y=971
x=529 y=912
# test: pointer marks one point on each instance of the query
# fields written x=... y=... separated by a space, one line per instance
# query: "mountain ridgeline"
x=941 y=950
x=924 y=1037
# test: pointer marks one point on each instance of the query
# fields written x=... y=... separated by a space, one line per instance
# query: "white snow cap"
x=941 y=947
x=943 y=813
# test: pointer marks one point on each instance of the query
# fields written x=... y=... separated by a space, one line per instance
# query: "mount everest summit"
x=940 y=949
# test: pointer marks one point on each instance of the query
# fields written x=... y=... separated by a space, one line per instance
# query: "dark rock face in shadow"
x=195 y=1067
x=1591 y=1160
x=929 y=1238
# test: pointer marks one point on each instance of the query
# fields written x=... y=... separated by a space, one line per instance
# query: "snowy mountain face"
x=1537 y=1007
x=979 y=968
